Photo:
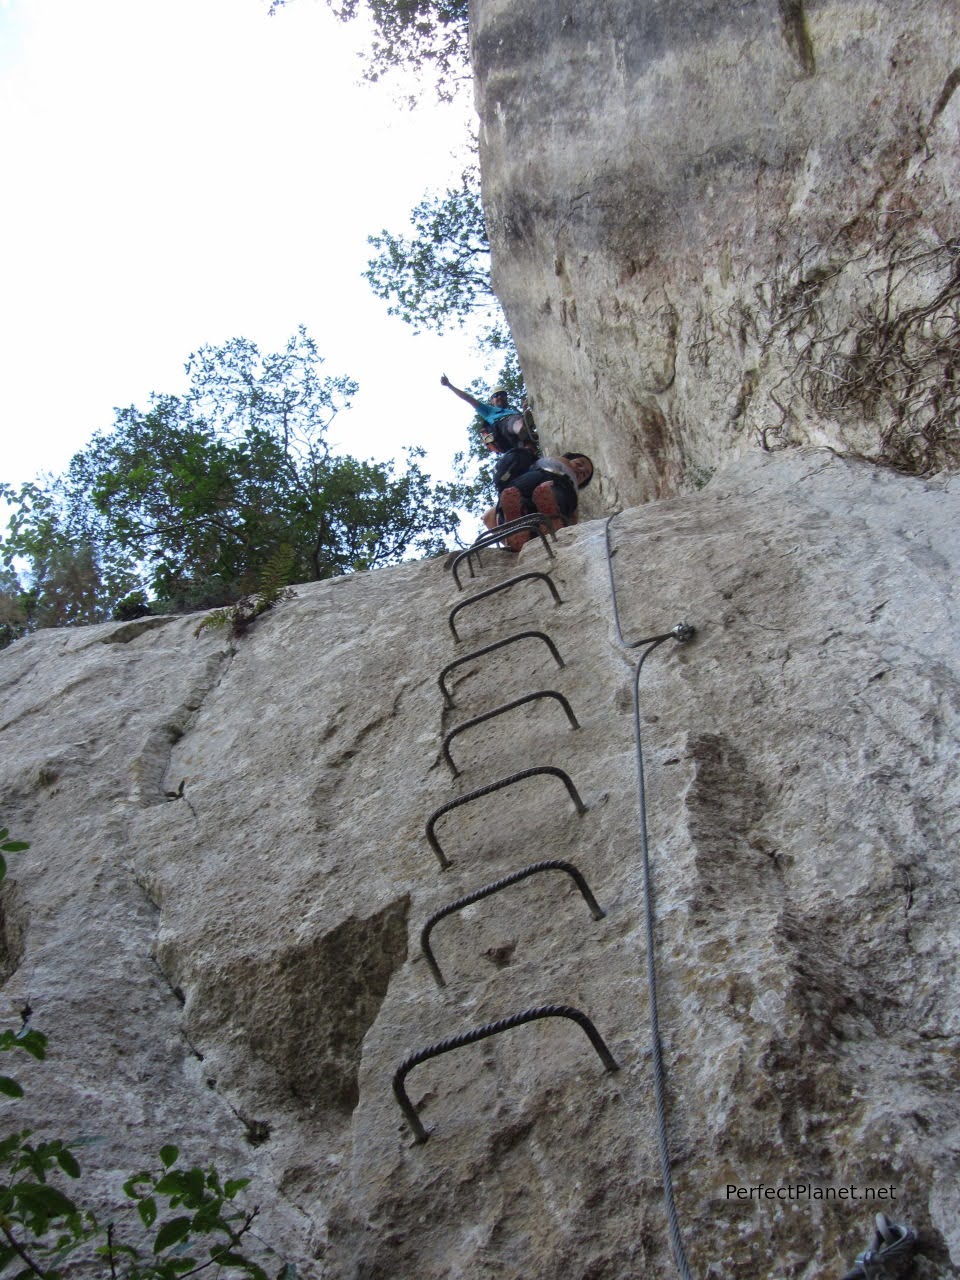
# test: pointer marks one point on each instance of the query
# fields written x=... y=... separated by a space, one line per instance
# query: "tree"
x=192 y=497
x=68 y=580
x=426 y=37
x=439 y=278
x=13 y=613
x=441 y=275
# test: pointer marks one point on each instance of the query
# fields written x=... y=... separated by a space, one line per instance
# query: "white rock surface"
x=234 y=963
x=722 y=225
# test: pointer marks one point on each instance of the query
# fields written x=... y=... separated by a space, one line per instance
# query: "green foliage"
x=699 y=476
x=8 y=846
x=428 y=38
x=42 y=1227
x=184 y=1220
x=13 y=610
x=438 y=277
x=190 y=498
x=132 y=606
x=441 y=275
x=69 y=580
x=30 y=1041
x=240 y=616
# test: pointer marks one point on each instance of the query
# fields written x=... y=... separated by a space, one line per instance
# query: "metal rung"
x=527 y=521
x=552 y=865
x=537 y=522
x=481 y=1033
x=489 y=790
x=489 y=648
x=499 y=711
x=501 y=586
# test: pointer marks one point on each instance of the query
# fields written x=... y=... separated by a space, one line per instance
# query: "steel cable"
x=681 y=632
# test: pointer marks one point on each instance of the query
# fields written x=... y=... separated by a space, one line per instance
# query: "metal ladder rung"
x=481 y=1033
x=501 y=586
x=499 y=711
x=492 y=787
x=552 y=864
x=537 y=522
x=490 y=648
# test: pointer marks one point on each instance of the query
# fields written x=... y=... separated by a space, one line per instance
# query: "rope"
x=613 y=585
x=893 y=1245
x=681 y=632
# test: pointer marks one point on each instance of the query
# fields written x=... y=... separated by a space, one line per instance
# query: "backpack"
x=499 y=439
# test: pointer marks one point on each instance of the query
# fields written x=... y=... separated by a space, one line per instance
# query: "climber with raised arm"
x=508 y=432
x=550 y=487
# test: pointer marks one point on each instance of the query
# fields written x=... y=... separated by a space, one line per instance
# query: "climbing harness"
x=890 y=1254
x=481 y=1033
x=509 y=432
x=513 y=462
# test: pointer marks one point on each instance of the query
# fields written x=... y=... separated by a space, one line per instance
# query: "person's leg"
x=552 y=500
x=512 y=507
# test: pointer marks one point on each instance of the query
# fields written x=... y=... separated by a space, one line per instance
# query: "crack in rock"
x=797 y=34
x=150 y=765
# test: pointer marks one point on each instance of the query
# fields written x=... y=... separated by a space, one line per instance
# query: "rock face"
x=719 y=230
x=723 y=226
x=218 y=920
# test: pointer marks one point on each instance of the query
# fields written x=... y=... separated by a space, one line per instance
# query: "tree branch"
x=19 y=1249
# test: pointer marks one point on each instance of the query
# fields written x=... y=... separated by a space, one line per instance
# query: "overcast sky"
x=180 y=172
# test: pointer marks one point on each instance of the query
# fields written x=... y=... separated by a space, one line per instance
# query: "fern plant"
x=240 y=617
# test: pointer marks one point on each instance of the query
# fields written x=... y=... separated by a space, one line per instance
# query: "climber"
x=506 y=431
x=551 y=487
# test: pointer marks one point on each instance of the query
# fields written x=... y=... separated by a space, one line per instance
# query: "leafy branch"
x=428 y=38
x=240 y=617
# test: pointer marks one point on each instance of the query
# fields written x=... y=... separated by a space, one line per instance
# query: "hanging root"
x=896 y=359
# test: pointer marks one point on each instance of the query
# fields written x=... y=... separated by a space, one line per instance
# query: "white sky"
x=181 y=172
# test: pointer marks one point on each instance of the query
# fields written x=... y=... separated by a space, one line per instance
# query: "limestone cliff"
x=218 y=919
x=719 y=230
x=718 y=227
